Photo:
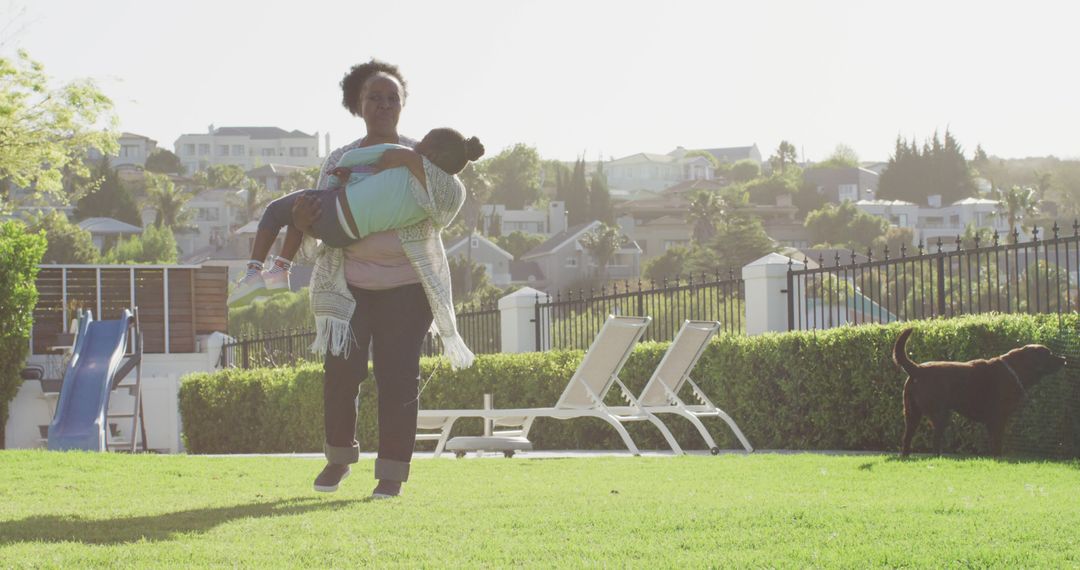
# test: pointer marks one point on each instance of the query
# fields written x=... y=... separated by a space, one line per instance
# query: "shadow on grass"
x=165 y=526
x=1010 y=459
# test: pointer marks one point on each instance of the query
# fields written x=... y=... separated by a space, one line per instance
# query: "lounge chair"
x=582 y=398
x=661 y=393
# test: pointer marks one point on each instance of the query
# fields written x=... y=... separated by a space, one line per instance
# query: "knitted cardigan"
x=333 y=304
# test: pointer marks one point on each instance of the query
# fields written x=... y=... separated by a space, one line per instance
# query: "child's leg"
x=277 y=215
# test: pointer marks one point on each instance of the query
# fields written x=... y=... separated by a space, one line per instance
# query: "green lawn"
x=75 y=510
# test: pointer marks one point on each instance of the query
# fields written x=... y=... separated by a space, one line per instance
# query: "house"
x=273 y=175
x=215 y=212
x=247 y=147
x=134 y=150
x=564 y=261
x=105 y=232
x=655 y=172
x=934 y=221
x=526 y=273
x=547 y=222
x=839 y=184
x=734 y=154
x=657 y=235
x=482 y=251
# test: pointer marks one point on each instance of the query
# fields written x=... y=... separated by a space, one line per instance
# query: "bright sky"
x=607 y=78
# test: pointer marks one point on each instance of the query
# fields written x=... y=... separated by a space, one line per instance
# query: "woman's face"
x=380 y=104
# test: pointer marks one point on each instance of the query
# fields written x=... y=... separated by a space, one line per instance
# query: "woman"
x=395 y=287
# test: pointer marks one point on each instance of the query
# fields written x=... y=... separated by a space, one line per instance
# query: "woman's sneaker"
x=249 y=288
x=331 y=477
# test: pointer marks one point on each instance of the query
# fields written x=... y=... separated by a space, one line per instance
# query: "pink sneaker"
x=276 y=282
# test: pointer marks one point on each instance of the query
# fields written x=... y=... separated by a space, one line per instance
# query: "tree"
x=252 y=199
x=600 y=197
x=843 y=156
x=518 y=243
x=221 y=176
x=745 y=170
x=156 y=245
x=938 y=168
x=705 y=208
x=106 y=197
x=20 y=254
x=784 y=156
x=577 y=196
x=668 y=266
x=602 y=243
x=46 y=132
x=167 y=200
x=66 y=242
x=464 y=271
x=477 y=193
x=515 y=176
x=163 y=161
x=740 y=238
x=844 y=226
x=300 y=179
x=1018 y=203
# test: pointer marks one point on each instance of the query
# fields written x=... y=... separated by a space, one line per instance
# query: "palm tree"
x=167 y=200
x=602 y=243
x=705 y=209
x=253 y=197
x=1018 y=203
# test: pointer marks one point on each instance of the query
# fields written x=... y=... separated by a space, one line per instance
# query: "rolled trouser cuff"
x=341 y=455
x=391 y=470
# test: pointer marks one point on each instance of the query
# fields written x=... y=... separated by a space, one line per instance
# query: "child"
x=373 y=194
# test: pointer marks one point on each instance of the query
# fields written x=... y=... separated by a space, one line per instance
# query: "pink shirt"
x=378 y=261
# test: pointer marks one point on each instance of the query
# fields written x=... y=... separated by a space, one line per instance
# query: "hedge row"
x=834 y=389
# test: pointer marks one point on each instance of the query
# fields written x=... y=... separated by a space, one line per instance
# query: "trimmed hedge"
x=834 y=389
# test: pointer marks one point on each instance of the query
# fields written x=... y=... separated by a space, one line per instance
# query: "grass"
x=78 y=510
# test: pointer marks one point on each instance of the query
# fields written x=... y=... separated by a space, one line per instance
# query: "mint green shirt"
x=382 y=201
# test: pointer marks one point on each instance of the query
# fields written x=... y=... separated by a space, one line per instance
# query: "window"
x=954 y=221
x=297 y=151
x=189 y=149
x=238 y=150
x=204 y=149
x=474 y=243
x=267 y=152
x=207 y=214
x=129 y=151
x=899 y=220
x=571 y=262
x=848 y=192
x=222 y=150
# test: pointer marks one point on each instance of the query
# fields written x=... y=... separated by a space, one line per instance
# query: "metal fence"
x=572 y=319
x=479 y=325
x=1037 y=276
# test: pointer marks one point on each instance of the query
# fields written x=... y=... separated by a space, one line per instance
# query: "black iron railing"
x=945 y=280
x=572 y=319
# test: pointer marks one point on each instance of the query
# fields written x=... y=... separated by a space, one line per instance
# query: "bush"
x=20 y=253
x=156 y=245
x=280 y=312
x=835 y=389
x=67 y=242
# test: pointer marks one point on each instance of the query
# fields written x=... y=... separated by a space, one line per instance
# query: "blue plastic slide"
x=79 y=422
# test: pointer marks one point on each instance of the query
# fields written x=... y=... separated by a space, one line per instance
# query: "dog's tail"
x=900 y=356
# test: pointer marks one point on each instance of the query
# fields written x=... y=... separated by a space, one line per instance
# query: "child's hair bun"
x=474 y=149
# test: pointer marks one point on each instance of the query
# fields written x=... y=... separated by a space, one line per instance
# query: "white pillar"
x=518 y=314
x=766 y=300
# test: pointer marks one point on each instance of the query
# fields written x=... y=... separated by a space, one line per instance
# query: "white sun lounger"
x=582 y=398
x=661 y=393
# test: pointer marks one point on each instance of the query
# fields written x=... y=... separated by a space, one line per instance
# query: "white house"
x=530 y=220
x=482 y=251
x=134 y=150
x=656 y=172
x=934 y=220
x=247 y=147
x=272 y=175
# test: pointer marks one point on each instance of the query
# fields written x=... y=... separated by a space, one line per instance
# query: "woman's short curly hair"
x=356 y=77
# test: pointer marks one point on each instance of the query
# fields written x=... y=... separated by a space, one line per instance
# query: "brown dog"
x=986 y=391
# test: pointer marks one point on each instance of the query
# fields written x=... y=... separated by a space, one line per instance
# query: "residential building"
x=734 y=154
x=934 y=221
x=247 y=147
x=215 y=213
x=105 y=232
x=546 y=222
x=655 y=172
x=564 y=261
x=840 y=184
x=482 y=251
x=134 y=150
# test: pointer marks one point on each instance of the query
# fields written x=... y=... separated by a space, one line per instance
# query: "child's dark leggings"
x=278 y=214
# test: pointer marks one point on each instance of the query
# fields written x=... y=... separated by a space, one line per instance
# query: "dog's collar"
x=1015 y=377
